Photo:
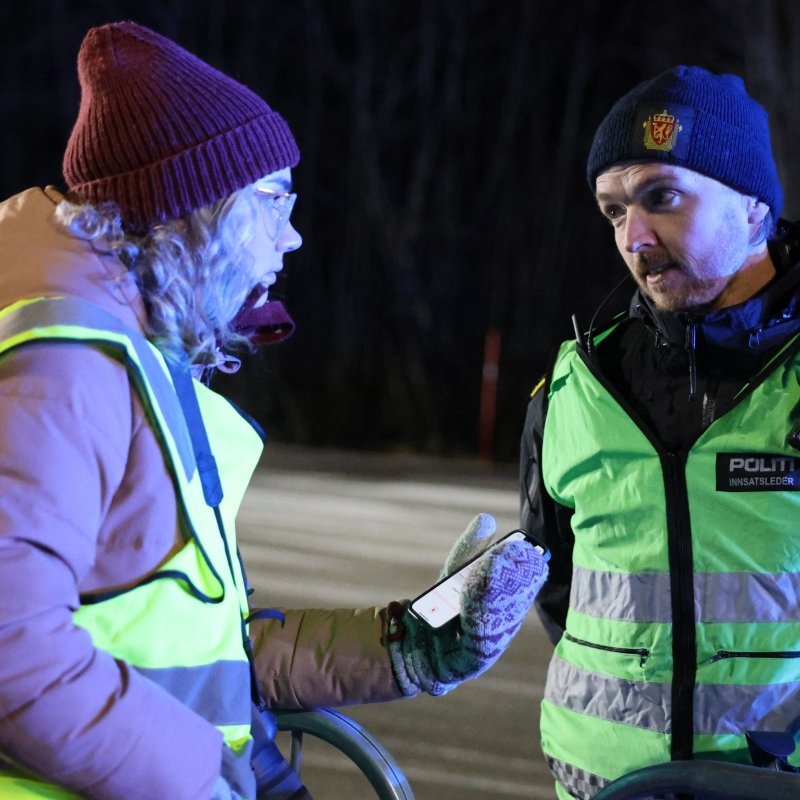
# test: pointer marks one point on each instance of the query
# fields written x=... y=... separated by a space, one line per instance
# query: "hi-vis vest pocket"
x=641 y=652
x=722 y=654
x=622 y=661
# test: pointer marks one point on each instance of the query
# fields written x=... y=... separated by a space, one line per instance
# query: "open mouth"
x=653 y=272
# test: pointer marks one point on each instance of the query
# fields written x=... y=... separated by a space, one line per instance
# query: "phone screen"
x=442 y=602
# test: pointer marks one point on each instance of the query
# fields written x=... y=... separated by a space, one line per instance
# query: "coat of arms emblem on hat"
x=661 y=131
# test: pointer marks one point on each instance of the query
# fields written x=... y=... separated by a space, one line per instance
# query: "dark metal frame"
x=704 y=780
x=352 y=739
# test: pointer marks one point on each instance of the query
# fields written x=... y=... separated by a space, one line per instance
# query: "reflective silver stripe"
x=719 y=596
x=770 y=707
x=643 y=597
x=80 y=313
x=747 y=597
x=578 y=782
x=643 y=704
x=718 y=708
x=218 y=692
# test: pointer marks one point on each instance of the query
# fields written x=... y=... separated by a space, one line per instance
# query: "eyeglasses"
x=279 y=207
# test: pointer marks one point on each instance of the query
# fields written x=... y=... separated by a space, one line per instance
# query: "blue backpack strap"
x=204 y=458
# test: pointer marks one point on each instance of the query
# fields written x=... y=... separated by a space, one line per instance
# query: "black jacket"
x=674 y=374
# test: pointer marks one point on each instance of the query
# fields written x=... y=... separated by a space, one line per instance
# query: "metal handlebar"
x=705 y=780
x=354 y=741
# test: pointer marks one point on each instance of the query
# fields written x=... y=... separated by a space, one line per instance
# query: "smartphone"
x=442 y=602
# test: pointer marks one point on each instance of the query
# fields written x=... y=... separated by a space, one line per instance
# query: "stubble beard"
x=674 y=286
x=690 y=286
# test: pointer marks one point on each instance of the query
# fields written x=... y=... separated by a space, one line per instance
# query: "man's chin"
x=673 y=302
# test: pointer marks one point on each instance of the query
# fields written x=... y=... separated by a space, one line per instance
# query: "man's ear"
x=756 y=210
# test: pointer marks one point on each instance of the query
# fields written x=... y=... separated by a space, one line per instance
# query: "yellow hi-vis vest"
x=183 y=626
x=683 y=629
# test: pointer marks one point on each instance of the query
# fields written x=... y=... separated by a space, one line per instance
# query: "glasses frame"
x=280 y=209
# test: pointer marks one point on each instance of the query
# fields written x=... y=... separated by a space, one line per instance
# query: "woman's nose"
x=289 y=239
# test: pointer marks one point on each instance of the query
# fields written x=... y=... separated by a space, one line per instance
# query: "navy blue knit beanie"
x=692 y=118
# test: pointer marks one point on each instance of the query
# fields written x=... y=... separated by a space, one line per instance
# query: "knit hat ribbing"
x=162 y=133
x=692 y=118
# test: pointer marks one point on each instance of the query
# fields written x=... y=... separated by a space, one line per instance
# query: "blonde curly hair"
x=193 y=273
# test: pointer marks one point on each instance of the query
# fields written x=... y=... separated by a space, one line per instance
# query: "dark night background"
x=441 y=188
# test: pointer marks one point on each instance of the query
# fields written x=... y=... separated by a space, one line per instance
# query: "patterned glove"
x=495 y=600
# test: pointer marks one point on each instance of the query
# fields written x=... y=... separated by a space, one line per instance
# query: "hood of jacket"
x=41 y=259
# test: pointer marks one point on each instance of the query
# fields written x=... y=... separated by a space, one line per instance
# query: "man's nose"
x=638 y=233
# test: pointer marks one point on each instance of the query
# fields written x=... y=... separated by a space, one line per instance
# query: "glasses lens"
x=278 y=208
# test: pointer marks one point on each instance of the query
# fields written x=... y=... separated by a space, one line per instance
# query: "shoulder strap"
x=45 y=320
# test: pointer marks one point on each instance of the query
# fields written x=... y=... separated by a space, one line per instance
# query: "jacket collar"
x=762 y=322
x=41 y=259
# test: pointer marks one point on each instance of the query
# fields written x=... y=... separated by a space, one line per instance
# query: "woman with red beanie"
x=130 y=660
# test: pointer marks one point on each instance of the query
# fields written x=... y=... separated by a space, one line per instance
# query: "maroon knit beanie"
x=162 y=133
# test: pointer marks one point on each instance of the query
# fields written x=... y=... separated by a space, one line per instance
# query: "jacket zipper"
x=642 y=652
x=684 y=645
x=681 y=567
x=690 y=345
x=721 y=654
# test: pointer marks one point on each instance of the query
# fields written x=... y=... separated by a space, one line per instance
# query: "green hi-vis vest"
x=183 y=627
x=683 y=630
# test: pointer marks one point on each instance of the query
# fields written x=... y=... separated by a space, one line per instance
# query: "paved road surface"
x=328 y=529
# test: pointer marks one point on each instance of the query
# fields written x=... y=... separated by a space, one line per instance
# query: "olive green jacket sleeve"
x=319 y=657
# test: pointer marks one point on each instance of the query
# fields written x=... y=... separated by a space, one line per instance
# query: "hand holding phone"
x=442 y=602
x=489 y=594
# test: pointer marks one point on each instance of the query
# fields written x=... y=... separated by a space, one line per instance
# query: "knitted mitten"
x=495 y=600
